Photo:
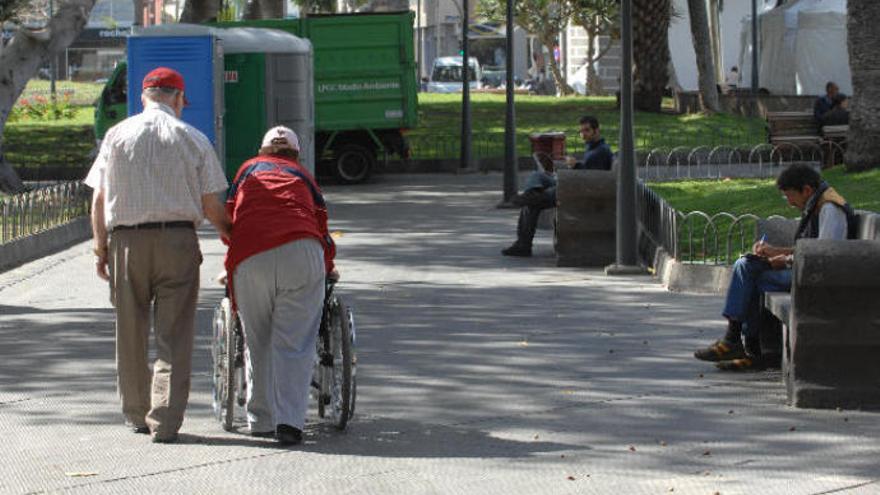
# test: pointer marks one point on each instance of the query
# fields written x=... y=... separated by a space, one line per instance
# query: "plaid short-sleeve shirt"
x=153 y=167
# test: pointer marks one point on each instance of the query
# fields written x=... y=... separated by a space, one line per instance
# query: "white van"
x=446 y=75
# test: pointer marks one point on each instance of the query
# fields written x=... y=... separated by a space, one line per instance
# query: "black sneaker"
x=288 y=435
x=517 y=250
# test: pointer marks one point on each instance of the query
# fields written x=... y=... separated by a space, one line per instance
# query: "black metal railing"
x=43 y=208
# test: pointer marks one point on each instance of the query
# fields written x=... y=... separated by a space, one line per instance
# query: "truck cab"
x=111 y=106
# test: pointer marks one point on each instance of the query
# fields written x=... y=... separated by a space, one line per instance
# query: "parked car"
x=446 y=75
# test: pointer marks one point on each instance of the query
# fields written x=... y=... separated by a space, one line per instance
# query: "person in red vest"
x=280 y=253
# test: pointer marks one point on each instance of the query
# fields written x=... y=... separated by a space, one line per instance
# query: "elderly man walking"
x=154 y=180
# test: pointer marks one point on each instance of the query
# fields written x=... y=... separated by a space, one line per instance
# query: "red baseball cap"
x=163 y=77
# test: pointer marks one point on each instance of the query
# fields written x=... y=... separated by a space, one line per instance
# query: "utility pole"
x=627 y=254
x=465 y=91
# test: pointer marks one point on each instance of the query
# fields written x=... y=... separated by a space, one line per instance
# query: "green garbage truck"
x=365 y=88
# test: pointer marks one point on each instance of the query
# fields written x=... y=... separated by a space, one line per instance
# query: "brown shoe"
x=721 y=351
x=742 y=364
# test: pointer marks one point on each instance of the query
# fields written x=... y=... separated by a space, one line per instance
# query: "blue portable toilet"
x=199 y=59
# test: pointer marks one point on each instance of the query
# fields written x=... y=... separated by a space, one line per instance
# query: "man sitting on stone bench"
x=538 y=196
x=826 y=215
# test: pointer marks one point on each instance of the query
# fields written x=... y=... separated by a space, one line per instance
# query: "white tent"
x=802 y=46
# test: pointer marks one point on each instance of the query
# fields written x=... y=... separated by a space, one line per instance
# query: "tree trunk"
x=863 y=140
x=558 y=79
x=263 y=9
x=22 y=57
x=138 y=12
x=198 y=11
x=593 y=83
x=703 y=49
x=650 y=53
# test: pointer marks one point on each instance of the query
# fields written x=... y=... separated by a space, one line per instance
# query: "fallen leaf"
x=672 y=489
x=536 y=437
x=524 y=343
x=632 y=448
x=81 y=474
x=662 y=443
x=336 y=234
x=562 y=456
x=571 y=478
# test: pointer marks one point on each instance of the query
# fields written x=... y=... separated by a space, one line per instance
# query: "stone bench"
x=586 y=217
x=831 y=321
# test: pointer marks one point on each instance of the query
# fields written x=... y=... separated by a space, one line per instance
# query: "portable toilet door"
x=199 y=59
x=268 y=82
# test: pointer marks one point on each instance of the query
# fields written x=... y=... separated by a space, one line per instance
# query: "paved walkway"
x=477 y=374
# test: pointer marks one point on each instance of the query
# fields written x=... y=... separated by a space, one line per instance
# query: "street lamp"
x=510 y=165
x=627 y=254
x=465 y=91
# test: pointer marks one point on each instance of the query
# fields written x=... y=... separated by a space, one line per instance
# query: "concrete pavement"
x=477 y=374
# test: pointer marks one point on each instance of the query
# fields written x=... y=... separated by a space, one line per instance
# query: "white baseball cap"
x=280 y=133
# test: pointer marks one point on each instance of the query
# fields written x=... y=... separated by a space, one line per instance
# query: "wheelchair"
x=334 y=384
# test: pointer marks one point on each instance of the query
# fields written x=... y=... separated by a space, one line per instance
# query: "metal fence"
x=695 y=237
x=40 y=209
x=705 y=162
x=491 y=144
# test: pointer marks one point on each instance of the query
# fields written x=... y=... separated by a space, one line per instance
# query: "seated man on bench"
x=540 y=190
x=826 y=215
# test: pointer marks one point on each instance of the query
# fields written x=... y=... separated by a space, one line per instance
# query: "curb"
x=692 y=278
x=19 y=251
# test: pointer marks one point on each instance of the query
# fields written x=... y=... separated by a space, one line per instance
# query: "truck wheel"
x=354 y=163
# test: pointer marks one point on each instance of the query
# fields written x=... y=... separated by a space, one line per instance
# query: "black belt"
x=156 y=225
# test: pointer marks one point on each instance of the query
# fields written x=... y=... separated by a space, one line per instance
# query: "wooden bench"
x=834 y=144
x=831 y=321
x=794 y=128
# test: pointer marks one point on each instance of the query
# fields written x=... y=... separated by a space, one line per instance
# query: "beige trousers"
x=154 y=275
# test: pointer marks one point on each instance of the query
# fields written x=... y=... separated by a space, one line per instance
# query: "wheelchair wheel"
x=223 y=351
x=337 y=365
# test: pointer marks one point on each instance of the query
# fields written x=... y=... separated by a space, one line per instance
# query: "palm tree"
x=863 y=141
x=650 y=52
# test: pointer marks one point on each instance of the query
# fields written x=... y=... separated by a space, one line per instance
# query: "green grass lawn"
x=760 y=196
x=440 y=117
x=699 y=241
x=50 y=143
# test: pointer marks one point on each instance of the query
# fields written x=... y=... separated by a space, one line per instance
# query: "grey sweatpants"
x=280 y=293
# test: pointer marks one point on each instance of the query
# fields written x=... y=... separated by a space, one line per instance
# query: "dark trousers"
x=533 y=202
